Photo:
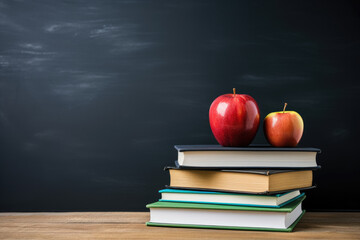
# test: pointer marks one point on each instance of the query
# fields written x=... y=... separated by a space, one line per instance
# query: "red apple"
x=234 y=119
x=283 y=129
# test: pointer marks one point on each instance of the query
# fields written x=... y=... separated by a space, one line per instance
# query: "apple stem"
x=234 y=91
x=284 y=107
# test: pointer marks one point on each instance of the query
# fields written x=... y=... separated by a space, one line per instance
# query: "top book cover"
x=253 y=147
x=253 y=156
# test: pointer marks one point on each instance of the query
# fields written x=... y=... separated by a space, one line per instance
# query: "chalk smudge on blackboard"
x=262 y=81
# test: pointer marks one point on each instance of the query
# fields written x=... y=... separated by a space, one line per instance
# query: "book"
x=264 y=157
x=197 y=215
x=241 y=181
x=276 y=200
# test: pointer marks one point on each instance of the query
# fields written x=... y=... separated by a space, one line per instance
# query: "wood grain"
x=131 y=225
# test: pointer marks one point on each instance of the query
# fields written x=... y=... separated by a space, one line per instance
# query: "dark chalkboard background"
x=94 y=94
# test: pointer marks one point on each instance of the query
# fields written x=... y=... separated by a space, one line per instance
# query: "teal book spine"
x=169 y=190
x=236 y=204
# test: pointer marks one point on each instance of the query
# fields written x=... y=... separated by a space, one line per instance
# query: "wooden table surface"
x=131 y=225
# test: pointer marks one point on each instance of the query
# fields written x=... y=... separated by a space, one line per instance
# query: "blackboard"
x=94 y=94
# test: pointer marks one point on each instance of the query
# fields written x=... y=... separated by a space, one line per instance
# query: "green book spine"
x=289 y=229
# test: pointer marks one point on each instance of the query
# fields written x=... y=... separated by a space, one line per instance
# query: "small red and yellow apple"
x=234 y=119
x=284 y=128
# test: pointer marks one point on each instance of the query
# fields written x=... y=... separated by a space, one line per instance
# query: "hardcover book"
x=241 y=181
x=276 y=200
x=264 y=157
x=171 y=214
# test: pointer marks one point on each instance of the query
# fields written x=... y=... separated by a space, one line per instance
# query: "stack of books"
x=247 y=188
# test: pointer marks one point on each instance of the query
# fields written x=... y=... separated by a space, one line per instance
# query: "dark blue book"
x=252 y=157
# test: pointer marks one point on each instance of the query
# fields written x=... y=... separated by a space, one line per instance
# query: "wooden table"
x=130 y=225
